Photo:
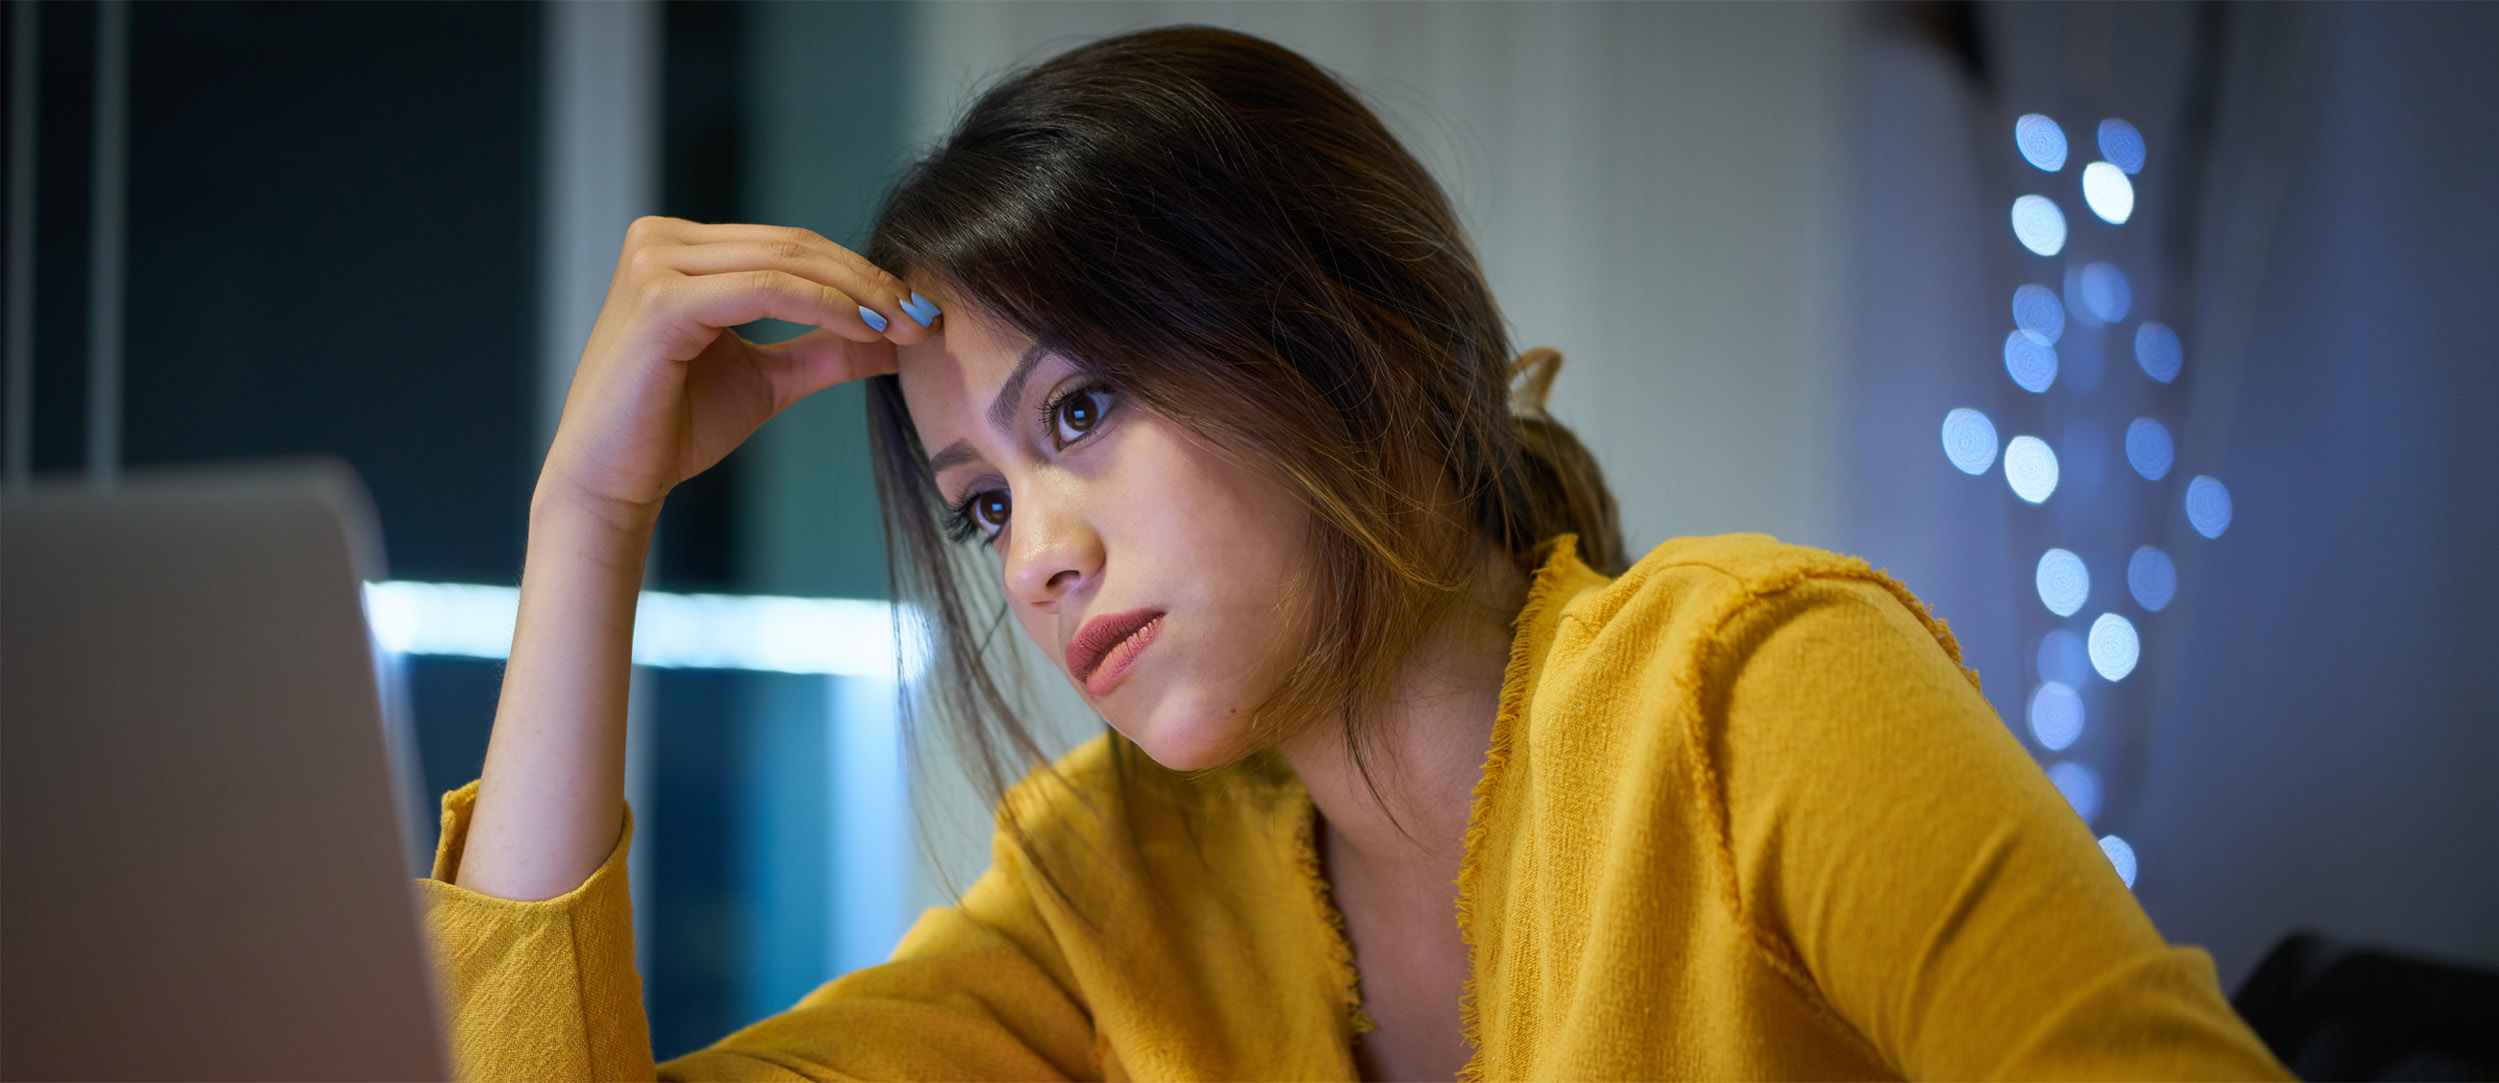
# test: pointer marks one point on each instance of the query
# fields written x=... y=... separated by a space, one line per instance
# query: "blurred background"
x=2150 y=344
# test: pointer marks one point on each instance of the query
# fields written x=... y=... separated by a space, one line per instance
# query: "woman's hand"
x=665 y=389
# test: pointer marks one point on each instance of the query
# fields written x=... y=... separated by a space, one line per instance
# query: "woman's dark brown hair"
x=1220 y=230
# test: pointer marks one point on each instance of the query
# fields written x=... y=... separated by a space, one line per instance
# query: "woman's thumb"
x=802 y=366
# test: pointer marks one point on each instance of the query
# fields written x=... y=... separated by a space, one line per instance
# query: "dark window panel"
x=333 y=217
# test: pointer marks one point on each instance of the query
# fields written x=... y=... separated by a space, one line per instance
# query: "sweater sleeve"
x=1899 y=846
x=548 y=990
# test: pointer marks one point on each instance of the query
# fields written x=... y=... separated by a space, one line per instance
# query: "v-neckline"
x=1561 y=555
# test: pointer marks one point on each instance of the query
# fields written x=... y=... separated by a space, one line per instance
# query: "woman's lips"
x=1095 y=640
x=1115 y=663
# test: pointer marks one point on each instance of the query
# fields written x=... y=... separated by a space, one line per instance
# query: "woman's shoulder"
x=1727 y=569
x=1695 y=602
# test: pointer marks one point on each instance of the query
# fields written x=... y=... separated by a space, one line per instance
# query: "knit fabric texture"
x=1744 y=816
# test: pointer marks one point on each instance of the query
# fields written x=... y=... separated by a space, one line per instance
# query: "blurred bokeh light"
x=2106 y=293
x=2121 y=857
x=2108 y=192
x=2039 y=225
x=2151 y=578
x=2056 y=715
x=2030 y=361
x=2041 y=141
x=2114 y=647
x=2064 y=584
x=2030 y=468
x=2148 y=448
x=2080 y=785
x=2157 y=351
x=2208 y=504
x=1969 y=441
x=2037 y=310
x=2063 y=657
x=2122 y=145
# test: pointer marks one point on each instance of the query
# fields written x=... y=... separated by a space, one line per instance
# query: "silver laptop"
x=203 y=853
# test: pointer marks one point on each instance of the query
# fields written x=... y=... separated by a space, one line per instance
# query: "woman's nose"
x=1051 y=553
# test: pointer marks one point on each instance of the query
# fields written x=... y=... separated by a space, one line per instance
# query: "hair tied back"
x=1562 y=487
x=1531 y=380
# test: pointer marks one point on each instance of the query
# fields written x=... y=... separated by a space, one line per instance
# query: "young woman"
x=1412 y=772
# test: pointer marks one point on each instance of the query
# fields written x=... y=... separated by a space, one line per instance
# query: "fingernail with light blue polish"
x=921 y=309
x=870 y=315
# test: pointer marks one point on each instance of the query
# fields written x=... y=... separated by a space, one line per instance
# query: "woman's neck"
x=1426 y=748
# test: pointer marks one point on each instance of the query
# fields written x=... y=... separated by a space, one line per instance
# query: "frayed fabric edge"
x=1340 y=944
x=1564 y=552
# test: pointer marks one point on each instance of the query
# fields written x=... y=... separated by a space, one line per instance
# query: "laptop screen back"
x=205 y=878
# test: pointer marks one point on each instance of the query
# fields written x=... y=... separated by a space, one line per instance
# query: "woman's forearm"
x=550 y=803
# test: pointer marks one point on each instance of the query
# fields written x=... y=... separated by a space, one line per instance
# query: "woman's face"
x=1148 y=568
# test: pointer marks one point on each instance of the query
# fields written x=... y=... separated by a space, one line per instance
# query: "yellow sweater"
x=1744 y=816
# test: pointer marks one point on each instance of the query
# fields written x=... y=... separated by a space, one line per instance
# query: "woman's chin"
x=1183 y=740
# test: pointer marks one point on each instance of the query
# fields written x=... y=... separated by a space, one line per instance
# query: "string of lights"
x=2064 y=322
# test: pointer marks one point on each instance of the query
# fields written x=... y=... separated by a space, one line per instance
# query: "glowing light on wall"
x=2030 y=361
x=2064 y=584
x=2108 y=193
x=2042 y=143
x=2148 y=448
x=2037 y=310
x=1969 y=441
x=2056 y=715
x=2151 y=578
x=2208 y=503
x=2121 y=144
x=2106 y=293
x=2081 y=787
x=2055 y=351
x=2157 y=350
x=2039 y=225
x=2063 y=658
x=2114 y=648
x=840 y=636
x=2030 y=468
x=2121 y=857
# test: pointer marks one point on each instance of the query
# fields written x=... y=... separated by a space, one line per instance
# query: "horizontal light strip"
x=842 y=636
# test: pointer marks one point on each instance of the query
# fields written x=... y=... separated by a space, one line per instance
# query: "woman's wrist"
x=596 y=527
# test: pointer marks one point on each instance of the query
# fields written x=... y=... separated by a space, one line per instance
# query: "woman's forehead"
x=949 y=379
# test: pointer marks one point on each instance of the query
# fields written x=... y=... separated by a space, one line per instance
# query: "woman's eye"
x=990 y=509
x=1077 y=412
x=979 y=517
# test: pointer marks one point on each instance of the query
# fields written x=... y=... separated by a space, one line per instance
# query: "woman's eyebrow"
x=1001 y=411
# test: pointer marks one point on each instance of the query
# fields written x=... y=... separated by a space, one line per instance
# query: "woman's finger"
x=700 y=233
x=880 y=292
x=715 y=301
